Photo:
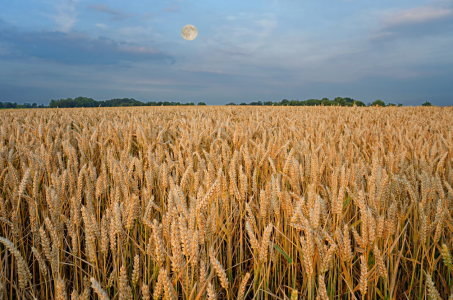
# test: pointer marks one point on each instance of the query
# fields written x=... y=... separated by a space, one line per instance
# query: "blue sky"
x=254 y=50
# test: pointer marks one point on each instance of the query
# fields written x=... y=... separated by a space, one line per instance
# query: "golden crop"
x=226 y=203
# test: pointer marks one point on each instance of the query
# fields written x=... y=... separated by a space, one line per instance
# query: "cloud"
x=267 y=24
x=173 y=8
x=418 y=15
x=231 y=18
x=148 y=16
x=231 y=52
x=137 y=49
x=197 y=70
x=101 y=25
x=415 y=22
x=76 y=48
x=66 y=16
x=249 y=30
x=116 y=15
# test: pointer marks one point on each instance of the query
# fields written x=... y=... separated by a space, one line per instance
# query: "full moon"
x=189 y=32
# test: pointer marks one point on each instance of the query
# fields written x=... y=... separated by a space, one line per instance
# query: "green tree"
x=201 y=103
x=341 y=101
x=427 y=104
x=359 y=103
x=325 y=102
x=400 y=104
x=268 y=103
x=391 y=104
x=311 y=102
x=378 y=103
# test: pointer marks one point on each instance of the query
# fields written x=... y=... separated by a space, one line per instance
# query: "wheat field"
x=226 y=203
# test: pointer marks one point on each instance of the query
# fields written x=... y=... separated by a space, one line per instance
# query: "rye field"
x=226 y=203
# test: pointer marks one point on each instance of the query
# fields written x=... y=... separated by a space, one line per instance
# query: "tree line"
x=119 y=102
x=338 y=101
x=90 y=102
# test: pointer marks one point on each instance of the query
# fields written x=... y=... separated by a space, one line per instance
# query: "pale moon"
x=189 y=32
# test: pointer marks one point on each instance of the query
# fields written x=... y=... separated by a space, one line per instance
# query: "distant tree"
x=268 y=103
x=325 y=99
x=231 y=103
x=311 y=102
x=391 y=104
x=340 y=100
x=9 y=105
x=427 y=104
x=1 y=105
x=34 y=105
x=400 y=104
x=359 y=103
x=284 y=102
x=243 y=103
x=378 y=103
x=53 y=103
x=201 y=103
x=326 y=102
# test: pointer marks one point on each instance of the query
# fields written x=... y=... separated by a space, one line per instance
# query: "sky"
x=254 y=50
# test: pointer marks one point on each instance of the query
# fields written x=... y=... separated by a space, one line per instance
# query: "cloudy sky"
x=397 y=51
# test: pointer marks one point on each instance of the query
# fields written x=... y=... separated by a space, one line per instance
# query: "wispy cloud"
x=78 y=49
x=197 y=70
x=267 y=24
x=101 y=25
x=244 y=32
x=231 y=51
x=66 y=15
x=116 y=15
x=414 y=22
x=231 y=18
x=148 y=16
x=173 y=8
x=137 y=49
x=417 y=15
